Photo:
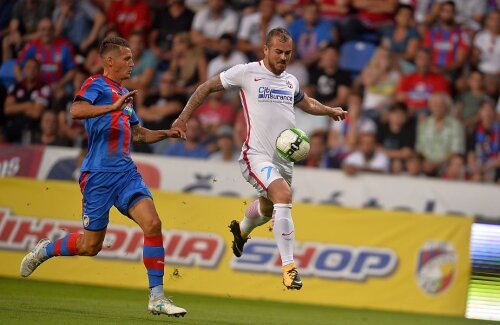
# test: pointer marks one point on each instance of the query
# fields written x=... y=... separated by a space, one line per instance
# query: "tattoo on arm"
x=138 y=135
x=212 y=85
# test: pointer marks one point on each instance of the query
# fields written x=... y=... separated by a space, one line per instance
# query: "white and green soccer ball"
x=293 y=145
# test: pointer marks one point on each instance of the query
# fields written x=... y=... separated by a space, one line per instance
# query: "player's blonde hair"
x=281 y=33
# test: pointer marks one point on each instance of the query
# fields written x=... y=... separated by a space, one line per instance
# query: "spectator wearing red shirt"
x=414 y=89
x=449 y=44
x=214 y=113
x=129 y=15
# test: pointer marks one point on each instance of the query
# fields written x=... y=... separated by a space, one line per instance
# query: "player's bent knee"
x=91 y=250
x=152 y=226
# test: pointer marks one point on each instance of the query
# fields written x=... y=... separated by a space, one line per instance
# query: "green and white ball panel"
x=293 y=145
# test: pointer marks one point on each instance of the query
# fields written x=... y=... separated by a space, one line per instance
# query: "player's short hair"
x=281 y=33
x=112 y=43
x=450 y=3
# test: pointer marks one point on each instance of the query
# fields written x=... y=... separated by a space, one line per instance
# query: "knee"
x=284 y=195
x=153 y=226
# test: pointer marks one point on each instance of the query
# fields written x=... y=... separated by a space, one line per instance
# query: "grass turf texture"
x=36 y=302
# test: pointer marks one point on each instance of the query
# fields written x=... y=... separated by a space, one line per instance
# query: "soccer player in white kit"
x=268 y=95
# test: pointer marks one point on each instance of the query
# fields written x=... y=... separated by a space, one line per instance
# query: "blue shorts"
x=102 y=190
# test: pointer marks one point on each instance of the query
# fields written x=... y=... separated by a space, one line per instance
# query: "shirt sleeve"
x=199 y=20
x=233 y=77
x=68 y=58
x=299 y=93
x=134 y=120
x=90 y=91
x=28 y=52
x=244 y=32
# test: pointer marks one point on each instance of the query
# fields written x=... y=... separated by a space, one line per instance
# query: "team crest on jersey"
x=289 y=84
x=128 y=109
x=86 y=221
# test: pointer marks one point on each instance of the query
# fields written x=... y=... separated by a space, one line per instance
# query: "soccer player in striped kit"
x=109 y=176
x=268 y=95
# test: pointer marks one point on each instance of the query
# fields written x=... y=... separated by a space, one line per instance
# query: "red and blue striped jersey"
x=55 y=60
x=109 y=134
x=444 y=44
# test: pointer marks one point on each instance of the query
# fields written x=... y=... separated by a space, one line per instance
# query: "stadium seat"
x=354 y=55
x=7 y=77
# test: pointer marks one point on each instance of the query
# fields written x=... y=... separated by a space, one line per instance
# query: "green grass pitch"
x=25 y=301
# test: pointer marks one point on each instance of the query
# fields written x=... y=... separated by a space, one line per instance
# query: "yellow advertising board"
x=347 y=257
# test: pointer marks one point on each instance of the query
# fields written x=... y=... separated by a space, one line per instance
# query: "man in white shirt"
x=367 y=158
x=227 y=58
x=268 y=95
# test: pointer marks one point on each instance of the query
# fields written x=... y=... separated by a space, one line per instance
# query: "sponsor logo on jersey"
x=267 y=94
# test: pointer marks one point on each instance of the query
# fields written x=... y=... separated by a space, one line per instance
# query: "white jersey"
x=268 y=102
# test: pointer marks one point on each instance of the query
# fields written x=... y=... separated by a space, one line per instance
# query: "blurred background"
x=419 y=78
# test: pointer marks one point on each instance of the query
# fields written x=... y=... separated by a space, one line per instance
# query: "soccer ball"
x=293 y=145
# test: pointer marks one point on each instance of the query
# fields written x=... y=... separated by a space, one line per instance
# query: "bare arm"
x=82 y=109
x=197 y=98
x=143 y=135
x=30 y=108
x=313 y=107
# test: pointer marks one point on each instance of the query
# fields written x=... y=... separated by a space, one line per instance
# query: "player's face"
x=278 y=54
x=123 y=63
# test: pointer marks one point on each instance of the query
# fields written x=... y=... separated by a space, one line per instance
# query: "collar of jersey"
x=114 y=82
x=261 y=63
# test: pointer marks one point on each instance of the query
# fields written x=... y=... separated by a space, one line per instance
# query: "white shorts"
x=260 y=172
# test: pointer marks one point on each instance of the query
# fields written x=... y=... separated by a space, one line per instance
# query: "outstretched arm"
x=143 y=135
x=197 y=98
x=313 y=107
x=82 y=109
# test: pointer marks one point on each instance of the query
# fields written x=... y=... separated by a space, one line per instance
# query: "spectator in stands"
x=379 y=79
x=192 y=147
x=415 y=89
x=367 y=158
x=343 y=135
x=439 y=136
x=330 y=84
x=23 y=26
x=55 y=55
x=455 y=170
x=168 y=21
x=48 y=134
x=211 y=23
x=415 y=165
x=310 y=34
x=483 y=148
x=370 y=18
x=402 y=38
x=469 y=14
x=467 y=104
x=188 y=64
x=227 y=151
x=318 y=154
x=334 y=10
x=160 y=109
x=486 y=53
x=254 y=28
x=299 y=70
x=79 y=22
x=396 y=137
x=24 y=105
x=227 y=58
x=145 y=64
x=128 y=16
x=214 y=113
x=448 y=42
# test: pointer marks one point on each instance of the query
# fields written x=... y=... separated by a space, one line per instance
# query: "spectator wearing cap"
x=483 y=148
x=227 y=151
x=228 y=57
x=440 y=135
x=254 y=28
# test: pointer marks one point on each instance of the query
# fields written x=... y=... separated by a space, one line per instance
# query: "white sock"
x=284 y=232
x=253 y=218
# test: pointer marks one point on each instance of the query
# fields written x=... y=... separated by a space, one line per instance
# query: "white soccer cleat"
x=34 y=258
x=163 y=305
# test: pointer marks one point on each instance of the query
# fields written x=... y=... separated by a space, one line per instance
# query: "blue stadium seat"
x=354 y=55
x=7 y=77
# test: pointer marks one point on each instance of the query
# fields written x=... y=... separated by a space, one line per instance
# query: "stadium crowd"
x=420 y=78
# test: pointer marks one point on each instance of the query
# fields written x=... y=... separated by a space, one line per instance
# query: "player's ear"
x=108 y=60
